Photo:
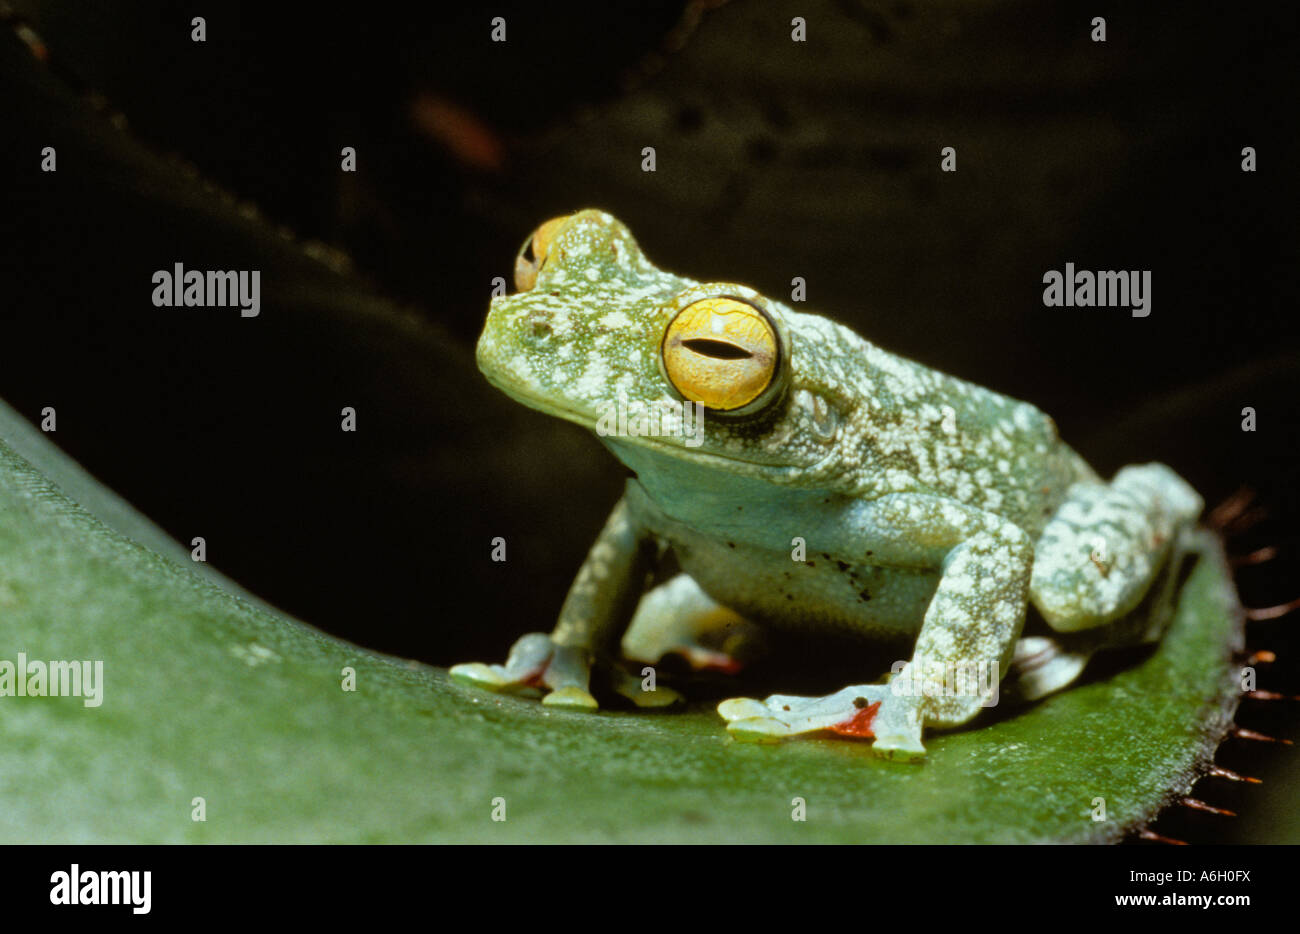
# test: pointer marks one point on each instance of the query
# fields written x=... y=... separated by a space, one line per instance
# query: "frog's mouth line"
x=653 y=442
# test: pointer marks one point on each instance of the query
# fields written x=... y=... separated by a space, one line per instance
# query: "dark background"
x=775 y=159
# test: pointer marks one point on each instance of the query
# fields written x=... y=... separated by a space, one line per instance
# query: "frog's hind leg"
x=1099 y=554
x=1105 y=572
x=679 y=617
x=1043 y=664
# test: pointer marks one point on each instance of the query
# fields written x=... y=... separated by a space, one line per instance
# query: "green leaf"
x=208 y=693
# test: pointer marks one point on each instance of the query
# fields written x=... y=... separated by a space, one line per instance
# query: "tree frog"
x=812 y=480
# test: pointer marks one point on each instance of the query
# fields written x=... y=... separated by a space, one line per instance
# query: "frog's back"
x=918 y=430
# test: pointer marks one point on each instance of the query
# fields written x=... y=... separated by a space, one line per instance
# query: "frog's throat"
x=779 y=473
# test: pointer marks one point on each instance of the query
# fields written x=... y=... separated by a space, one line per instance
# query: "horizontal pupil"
x=718 y=349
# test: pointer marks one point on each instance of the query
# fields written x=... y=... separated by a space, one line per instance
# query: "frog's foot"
x=535 y=661
x=679 y=618
x=869 y=711
x=1041 y=665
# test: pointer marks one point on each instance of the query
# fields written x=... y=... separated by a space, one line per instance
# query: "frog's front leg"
x=966 y=640
x=595 y=614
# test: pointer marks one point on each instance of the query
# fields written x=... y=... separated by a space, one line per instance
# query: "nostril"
x=539 y=323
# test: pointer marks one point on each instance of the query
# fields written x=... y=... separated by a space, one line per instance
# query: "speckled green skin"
x=927 y=505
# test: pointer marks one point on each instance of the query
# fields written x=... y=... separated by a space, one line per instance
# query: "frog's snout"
x=513 y=329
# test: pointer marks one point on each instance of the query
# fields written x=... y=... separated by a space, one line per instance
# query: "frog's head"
x=597 y=335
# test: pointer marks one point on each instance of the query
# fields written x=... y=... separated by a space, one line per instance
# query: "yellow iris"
x=720 y=352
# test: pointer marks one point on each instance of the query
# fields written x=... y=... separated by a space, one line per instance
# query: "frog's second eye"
x=721 y=352
x=533 y=254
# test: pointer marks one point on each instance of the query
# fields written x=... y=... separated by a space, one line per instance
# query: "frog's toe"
x=634 y=689
x=479 y=675
x=659 y=697
x=742 y=708
x=902 y=746
x=571 y=698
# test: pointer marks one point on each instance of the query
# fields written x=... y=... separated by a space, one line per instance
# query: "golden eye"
x=720 y=352
x=533 y=254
